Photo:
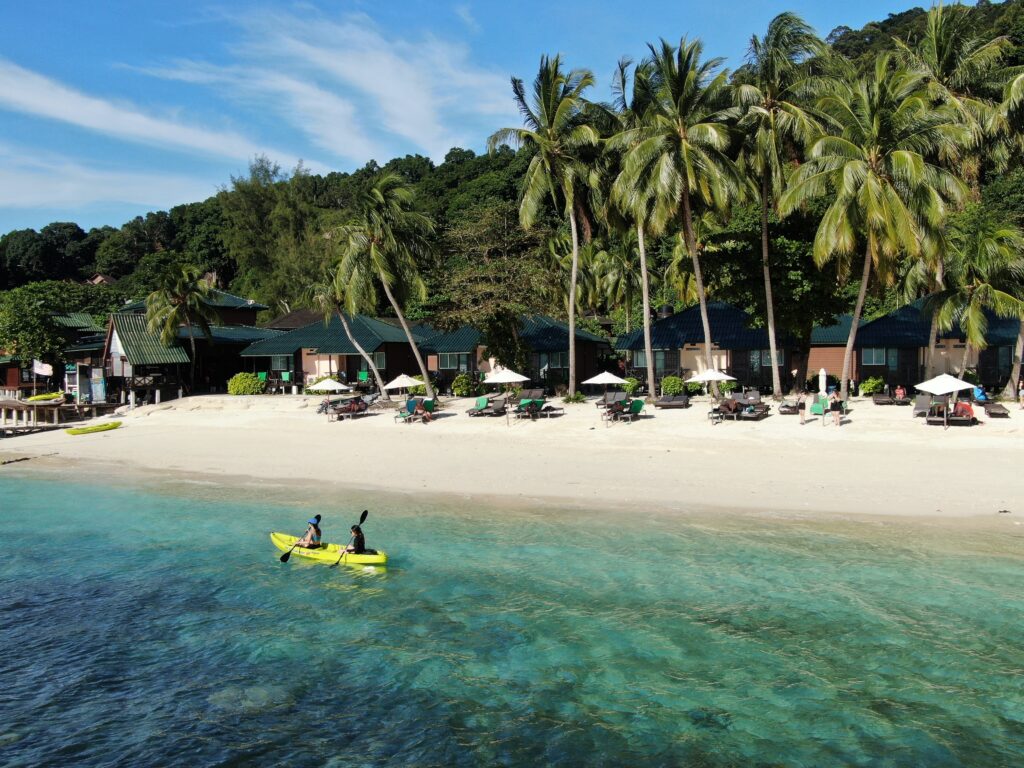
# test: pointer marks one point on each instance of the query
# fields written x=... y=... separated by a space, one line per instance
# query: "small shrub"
x=421 y=390
x=971 y=375
x=830 y=381
x=672 y=385
x=694 y=388
x=872 y=385
x=575 y=397
x=246 y=384
x=632 y=385
x=465 y=385
x=725 y=387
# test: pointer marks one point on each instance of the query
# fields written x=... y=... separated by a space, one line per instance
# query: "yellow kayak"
x=327 y=553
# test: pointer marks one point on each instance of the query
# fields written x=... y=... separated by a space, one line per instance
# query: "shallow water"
x=497 y=637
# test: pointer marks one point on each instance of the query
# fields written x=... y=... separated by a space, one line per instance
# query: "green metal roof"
x=835 y=334
x=141 y=346
x=232 y=334
x=77 y=321
x=94 y=343
x=7 y=359
x=218 y=299
x=464 y=339
x=330 y=339
x=545 y=334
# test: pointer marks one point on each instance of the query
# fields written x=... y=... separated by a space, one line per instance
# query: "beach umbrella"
x=822 y=382
x=605 y=378
x=403 y=382
x=944 y=384
x=329 y=385
x=505 y=376
x=709 y=375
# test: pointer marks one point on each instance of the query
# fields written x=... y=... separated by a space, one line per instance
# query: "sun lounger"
x=635 y=409
x=551 y=410
x=407 y=414
x=611 y=397
x=996 y=411
x=755 y=412
x=480 y=408
x=528 y=408
x=788 y=409
x=880 y=398
x=922 y=403
x=672 y=401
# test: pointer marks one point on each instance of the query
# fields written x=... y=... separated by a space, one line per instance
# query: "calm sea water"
x=496 y=638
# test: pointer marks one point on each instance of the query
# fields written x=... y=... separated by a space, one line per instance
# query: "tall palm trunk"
x=572 y=300
x=844 y=385
x=776 y=381
x=408 y=335
x=1018 y=351
x=932 y=339
x=363 y=353
x=691 y=245
x=966 y=358
x=192 y=343
x=646 y=295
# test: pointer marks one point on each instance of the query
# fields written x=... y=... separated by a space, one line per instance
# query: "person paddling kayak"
x=358 y=545
x=313 y=536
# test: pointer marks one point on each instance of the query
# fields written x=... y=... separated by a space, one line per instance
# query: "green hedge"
x=465 y=385
x=246 y=384
x=672 y=385
x=632 y=385
x=872 y=385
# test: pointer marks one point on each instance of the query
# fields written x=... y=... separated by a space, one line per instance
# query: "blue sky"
x=109 y=110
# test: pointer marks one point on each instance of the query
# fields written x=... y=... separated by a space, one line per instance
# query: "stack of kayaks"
x=327 y=553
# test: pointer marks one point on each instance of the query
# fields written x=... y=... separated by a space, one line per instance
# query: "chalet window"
x=547 y=361
x=872 y=356
x=379 y=360
x=452 y=361
x=280 y=363
x=766 y=358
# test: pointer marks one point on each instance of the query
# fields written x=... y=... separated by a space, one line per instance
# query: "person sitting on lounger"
x=963 y=408
x=901 y=393
x=311 y=540
x=421 y=411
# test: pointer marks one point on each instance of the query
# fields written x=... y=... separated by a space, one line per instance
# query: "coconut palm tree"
x=985 y=271
x=774 y=122
x=968 y=74
x=329 y=297
x=554 y=126
x=887 y=196
x=381 y=246
x=677 y=158
x=617 y=277
x=182 y=299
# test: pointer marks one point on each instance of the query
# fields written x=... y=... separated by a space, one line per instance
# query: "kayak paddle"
x=362 y=519
x=286 y=555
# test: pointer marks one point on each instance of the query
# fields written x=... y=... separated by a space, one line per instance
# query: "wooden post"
x=56 y=415
x=131 y=399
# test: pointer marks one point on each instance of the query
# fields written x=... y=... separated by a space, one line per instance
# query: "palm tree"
x=330 y=297
x=555 y=128
x=677 y=162
x=631 y=99
x=964 y=71
x=985 y=274
x=617 y=277
x=887 y=194
x=182 y=299
x=774 y=122
x=383 y=244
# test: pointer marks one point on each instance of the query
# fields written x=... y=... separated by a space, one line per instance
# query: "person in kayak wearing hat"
x=311 y=540
x=358 y=545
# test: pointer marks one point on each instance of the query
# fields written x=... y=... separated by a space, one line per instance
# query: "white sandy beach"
x=882 y=461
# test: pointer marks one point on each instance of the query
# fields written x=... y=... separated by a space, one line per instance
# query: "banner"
x=41 y=369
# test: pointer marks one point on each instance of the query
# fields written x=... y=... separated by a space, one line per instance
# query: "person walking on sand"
x=801 y=405
x=313 y=535
x=835 y=404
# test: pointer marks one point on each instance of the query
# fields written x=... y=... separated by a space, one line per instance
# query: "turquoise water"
x=497 y=637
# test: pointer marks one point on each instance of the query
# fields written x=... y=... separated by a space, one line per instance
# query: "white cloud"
x=357 y=91
x=465 y=14
x=22 y=90
x=28 y=180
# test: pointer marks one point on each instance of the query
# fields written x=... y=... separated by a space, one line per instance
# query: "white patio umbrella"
x=709 y=375
x=329 y=385
x=944 y=384
x=822 y=382
x=403 y=382
x=505 y=376
x=605 y=378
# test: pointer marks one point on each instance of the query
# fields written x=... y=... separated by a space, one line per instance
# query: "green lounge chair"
x=482 y=404
x=408 y=414
x=635 y=407
x=262 y=376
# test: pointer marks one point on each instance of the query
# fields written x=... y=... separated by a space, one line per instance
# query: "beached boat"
x=328 y=553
